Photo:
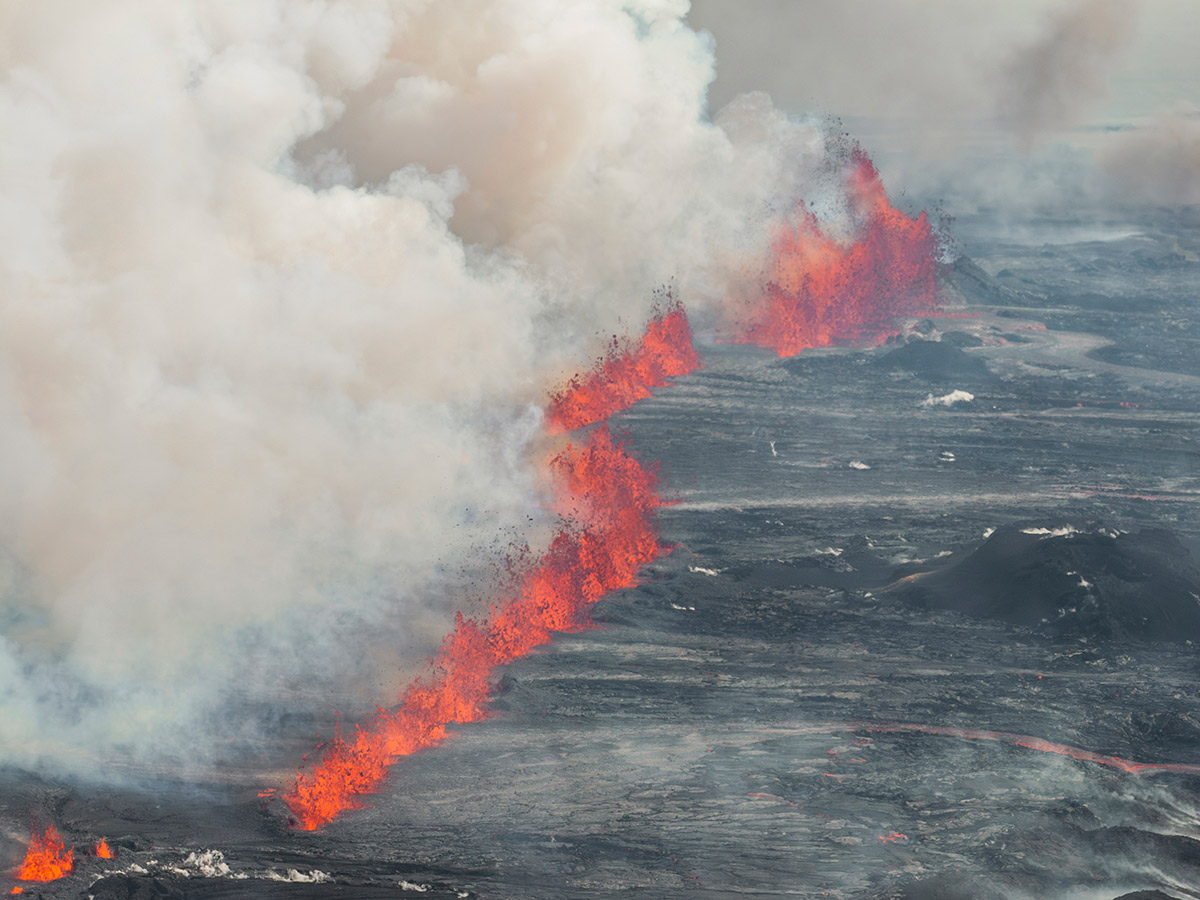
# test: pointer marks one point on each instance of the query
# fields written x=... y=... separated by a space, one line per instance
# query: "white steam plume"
x=283 y=286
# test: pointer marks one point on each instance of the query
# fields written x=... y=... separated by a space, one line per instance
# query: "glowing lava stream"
x=46 y=859
x=627 y=373
x=823 y=292
x=1034 y=743
x=608 y=500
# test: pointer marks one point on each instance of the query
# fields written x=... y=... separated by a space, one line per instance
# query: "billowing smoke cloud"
x=1051 y=82
x=944 y=92
x=283 y=286
x=1158 y=163
x=931 y=65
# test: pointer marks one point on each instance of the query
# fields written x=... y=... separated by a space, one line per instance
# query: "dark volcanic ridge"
x=1088 y=582
x=936 y=360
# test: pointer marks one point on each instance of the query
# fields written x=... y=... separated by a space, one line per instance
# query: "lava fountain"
x=47 y=858
x=821 y=291
x=627 y=373
x=607 y=500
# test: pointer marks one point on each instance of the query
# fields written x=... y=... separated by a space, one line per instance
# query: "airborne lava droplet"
x=824 y=292
x=47 y=858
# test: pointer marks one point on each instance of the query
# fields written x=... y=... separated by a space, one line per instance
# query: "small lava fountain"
x=47 y=859
x=821 y=291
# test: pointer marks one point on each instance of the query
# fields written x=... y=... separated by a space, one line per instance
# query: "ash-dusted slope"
x=936 y=361
x=1095 y=583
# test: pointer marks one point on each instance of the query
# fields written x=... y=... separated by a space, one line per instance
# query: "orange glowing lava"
x=103 y=851
x=607 y=500
x=823 y=292
x=627 y=373
x=47 y=858
x=610 y=500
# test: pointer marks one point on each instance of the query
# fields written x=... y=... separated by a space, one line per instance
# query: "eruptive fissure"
x=608 y=501
x=822 y=291
x=47 y=858
x=627 y=373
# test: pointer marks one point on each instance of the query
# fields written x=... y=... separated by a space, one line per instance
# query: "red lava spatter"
x=626 y=374
x=822 y=291
x=1034 y=743
x=608 y=500
x=47 y=859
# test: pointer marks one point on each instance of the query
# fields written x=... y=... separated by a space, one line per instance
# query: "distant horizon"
x=851 y=65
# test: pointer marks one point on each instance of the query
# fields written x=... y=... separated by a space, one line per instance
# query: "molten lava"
x=823 y=292
x=47 y=858
x=610 y=501
x=103 y=851
x=627 y=373
x=607 y=500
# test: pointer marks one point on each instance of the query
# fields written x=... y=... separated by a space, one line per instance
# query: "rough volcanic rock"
x=935 y=360
x=130 y=887
x=944 y=887
x=1094 y=583
x=854 y=567
x=965 y=279
x=961 y=339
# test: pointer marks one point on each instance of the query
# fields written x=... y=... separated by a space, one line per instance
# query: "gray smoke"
x=1051 y=83
x=943 y=92
x=283 y=287
x=1158 y=163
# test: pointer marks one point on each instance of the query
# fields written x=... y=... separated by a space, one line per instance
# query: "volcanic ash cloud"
x=283 y=288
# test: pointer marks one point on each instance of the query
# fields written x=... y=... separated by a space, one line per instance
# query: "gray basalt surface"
x=719 y=733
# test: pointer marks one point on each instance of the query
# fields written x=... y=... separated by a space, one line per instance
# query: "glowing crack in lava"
x=48 y=858
x=627 y=374
x=823 y=292
x=608 y=501
x=1034 y=743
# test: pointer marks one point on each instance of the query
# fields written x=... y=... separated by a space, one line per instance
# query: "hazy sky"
x=929 y=84
x=929 y=59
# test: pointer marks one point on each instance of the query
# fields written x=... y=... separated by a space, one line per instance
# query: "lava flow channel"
x=823 y=292
x=608 y=501
x=1035 y=743
x=627 y=374
x=47 y=859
